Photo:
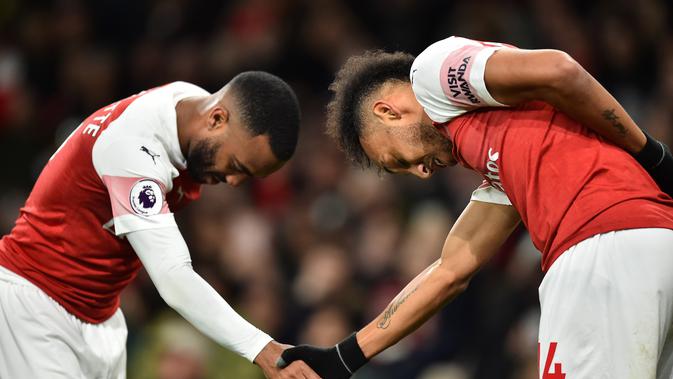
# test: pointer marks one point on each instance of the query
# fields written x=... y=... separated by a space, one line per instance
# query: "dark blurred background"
x=319 y=248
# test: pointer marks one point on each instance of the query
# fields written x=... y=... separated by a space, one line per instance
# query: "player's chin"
x=198 y=175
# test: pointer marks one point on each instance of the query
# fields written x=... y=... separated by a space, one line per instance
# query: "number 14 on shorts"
x=546 y=371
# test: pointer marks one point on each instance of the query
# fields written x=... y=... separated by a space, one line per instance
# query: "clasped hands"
x=310 y=362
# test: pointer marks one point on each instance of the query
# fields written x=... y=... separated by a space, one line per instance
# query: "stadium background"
x=317 y=249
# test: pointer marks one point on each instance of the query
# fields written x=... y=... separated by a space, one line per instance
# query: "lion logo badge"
x=146 y=197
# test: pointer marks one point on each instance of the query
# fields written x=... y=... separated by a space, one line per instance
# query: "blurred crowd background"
x=319 y=248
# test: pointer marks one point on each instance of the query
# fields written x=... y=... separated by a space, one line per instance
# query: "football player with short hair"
x=103 y=206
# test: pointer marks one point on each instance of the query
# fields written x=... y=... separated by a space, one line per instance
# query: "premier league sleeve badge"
x=146 y=197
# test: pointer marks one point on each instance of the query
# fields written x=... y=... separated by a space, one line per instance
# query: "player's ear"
x=218 y=117
x=385 y=111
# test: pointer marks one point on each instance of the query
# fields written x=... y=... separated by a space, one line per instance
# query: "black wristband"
x=652 y=154
x=657 y=159
x=351 y=354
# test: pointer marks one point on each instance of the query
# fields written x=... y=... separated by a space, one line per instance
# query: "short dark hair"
x=268 y=106
x=359 y=77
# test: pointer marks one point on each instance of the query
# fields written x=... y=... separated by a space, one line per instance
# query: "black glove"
x=338 y=362
x=657 y=159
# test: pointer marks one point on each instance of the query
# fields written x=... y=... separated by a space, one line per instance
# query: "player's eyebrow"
x=386 y=169
x=401 y=162
x=382 y=166
x=398 y=163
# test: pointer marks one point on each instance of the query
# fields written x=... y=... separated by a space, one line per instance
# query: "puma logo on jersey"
x=493 y=173
x=150 y=153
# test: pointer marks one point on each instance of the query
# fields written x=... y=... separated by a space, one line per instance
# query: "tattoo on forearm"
x=609 y=115
x=392 y=308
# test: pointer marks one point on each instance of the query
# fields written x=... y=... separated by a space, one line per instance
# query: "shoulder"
x=449 y=55
x=434 y=55
x=155 y=103
x=453 y=45
x=186 y=88
x=133 y=156
x=448 y=77
x=441 y=48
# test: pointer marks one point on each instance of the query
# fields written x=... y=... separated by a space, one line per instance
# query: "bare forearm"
x=416 y=303
x=472 y=241
x=584 y=99
x=514 y=76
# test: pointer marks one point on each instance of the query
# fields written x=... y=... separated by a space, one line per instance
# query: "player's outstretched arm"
x=472 y=241
x=166 y=258
x=513 y=76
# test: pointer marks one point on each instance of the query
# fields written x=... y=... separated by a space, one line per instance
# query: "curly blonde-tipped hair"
x=357 y=79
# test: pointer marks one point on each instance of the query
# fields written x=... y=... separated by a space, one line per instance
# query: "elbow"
x=454 y=283
x=461 y=283
x=565 y=75
x=171 y=287
x=173 y=302
x=170 y=296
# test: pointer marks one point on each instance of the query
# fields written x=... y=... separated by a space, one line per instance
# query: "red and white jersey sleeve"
x=448 y=77
x=137 y=175
x=137 y=159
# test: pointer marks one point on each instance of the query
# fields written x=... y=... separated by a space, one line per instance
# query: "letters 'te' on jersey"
x=120 y=171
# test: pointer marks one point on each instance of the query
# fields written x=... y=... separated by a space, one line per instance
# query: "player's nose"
x=421 y=170
x=235 y=180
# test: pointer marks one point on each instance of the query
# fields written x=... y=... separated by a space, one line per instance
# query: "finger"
x=308 y=372
x=302 y=370
x=293 y=371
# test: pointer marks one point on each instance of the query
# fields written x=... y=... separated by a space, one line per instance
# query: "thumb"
x=280 y=363
x=288 y=356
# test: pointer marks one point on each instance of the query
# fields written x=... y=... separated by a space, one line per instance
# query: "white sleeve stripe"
x=477 y=76
x=343 y=361
x=133 y=223
x=490 y=195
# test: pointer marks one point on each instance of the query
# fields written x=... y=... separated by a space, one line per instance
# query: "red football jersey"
x=120 y=171
x=566 y=182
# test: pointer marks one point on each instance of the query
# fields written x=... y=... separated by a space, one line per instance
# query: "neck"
x=187 y=113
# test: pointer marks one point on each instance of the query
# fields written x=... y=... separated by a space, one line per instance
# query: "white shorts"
x=40 y=339
x=607 y=307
